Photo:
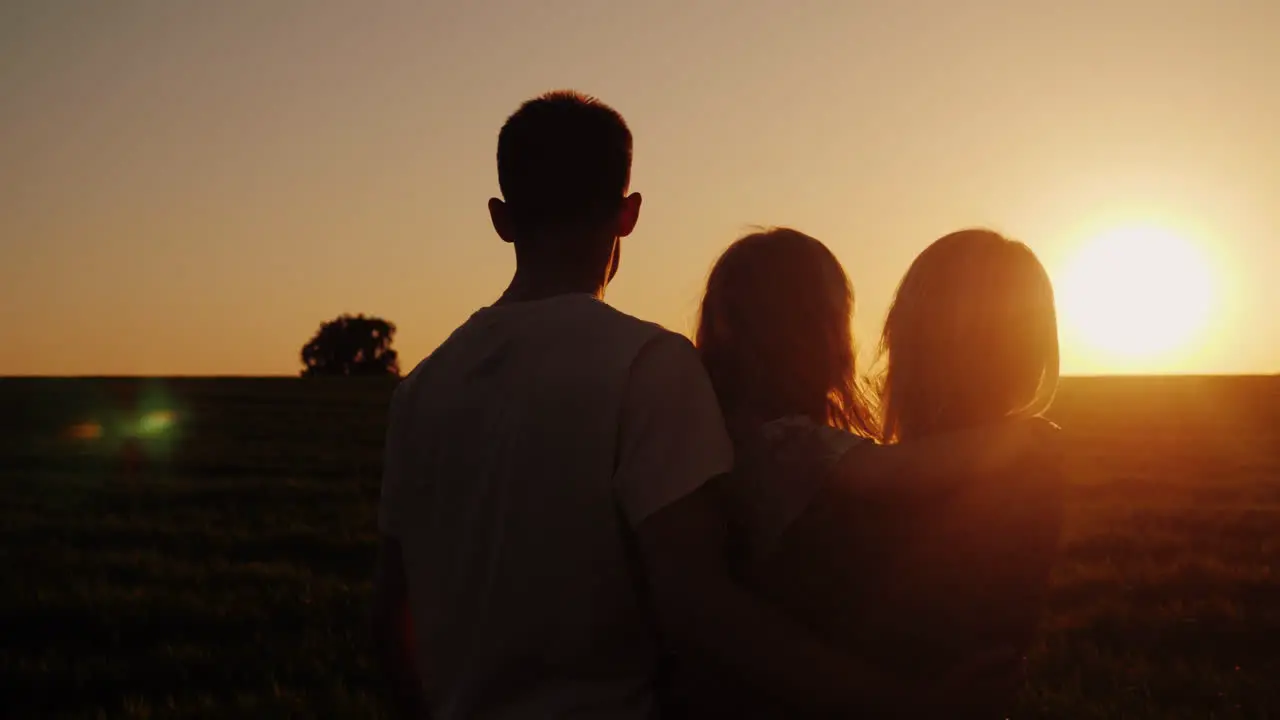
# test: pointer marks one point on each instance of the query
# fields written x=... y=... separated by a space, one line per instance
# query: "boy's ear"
x=500 y=216
x=628 y=215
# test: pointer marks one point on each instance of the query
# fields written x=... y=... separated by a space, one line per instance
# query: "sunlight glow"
x=1136 y=296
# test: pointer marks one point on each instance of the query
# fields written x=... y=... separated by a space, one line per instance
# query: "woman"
x=913 y=555
x=971 y=337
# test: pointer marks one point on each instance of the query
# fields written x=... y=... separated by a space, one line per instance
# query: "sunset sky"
x=192 y=187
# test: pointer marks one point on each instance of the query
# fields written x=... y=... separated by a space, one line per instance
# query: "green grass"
x=221 y=569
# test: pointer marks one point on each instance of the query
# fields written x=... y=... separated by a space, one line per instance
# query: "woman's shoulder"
x=792 y=444
x=780 y=466
x=1038 y=478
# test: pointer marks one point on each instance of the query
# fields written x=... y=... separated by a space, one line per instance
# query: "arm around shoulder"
x=938 y=463
x=673 y=443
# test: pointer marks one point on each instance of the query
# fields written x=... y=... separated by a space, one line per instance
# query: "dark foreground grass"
x=220 y=569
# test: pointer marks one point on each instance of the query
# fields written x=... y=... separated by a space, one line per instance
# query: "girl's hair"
x=971 y=336
x=775 y=334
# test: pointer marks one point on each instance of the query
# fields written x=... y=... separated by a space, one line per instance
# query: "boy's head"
x=564 y=167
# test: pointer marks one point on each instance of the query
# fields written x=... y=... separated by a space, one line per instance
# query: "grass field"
x=219 y=567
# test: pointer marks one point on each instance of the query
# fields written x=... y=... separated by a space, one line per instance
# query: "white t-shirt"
x=519 y=456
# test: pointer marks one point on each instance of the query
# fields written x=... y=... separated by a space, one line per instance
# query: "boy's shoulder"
x=608 y=315
x=591 y=321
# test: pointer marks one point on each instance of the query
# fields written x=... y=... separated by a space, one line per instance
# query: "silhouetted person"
x=546 y=512
x=948 y=561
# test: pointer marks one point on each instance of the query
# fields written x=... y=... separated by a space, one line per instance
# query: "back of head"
x=774 y=332
x=971 y=336
x=564 y=164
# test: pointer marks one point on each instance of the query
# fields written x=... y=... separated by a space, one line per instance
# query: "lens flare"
x=85 y=431
x=156 y=423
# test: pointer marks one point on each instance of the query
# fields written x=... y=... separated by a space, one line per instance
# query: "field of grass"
x=218 y=566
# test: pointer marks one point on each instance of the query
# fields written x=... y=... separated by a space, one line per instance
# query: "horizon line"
x=298 y=376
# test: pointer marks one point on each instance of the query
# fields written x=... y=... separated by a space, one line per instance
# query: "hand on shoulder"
x=1044 y=442
x=1016 y=441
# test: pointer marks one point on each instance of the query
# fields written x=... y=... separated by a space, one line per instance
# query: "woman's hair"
x=971 y=336
x=775 y=334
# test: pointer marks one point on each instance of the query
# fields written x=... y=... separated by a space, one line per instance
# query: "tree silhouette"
x=350 y=345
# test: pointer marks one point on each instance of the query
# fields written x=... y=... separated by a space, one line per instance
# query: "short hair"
x=563 y=157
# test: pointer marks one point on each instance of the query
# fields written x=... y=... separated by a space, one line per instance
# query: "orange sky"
x=191 y=188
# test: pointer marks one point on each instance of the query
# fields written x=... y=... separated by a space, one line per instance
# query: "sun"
x=1136 y=297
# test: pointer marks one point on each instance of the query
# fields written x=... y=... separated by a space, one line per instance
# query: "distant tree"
x=350 y=345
